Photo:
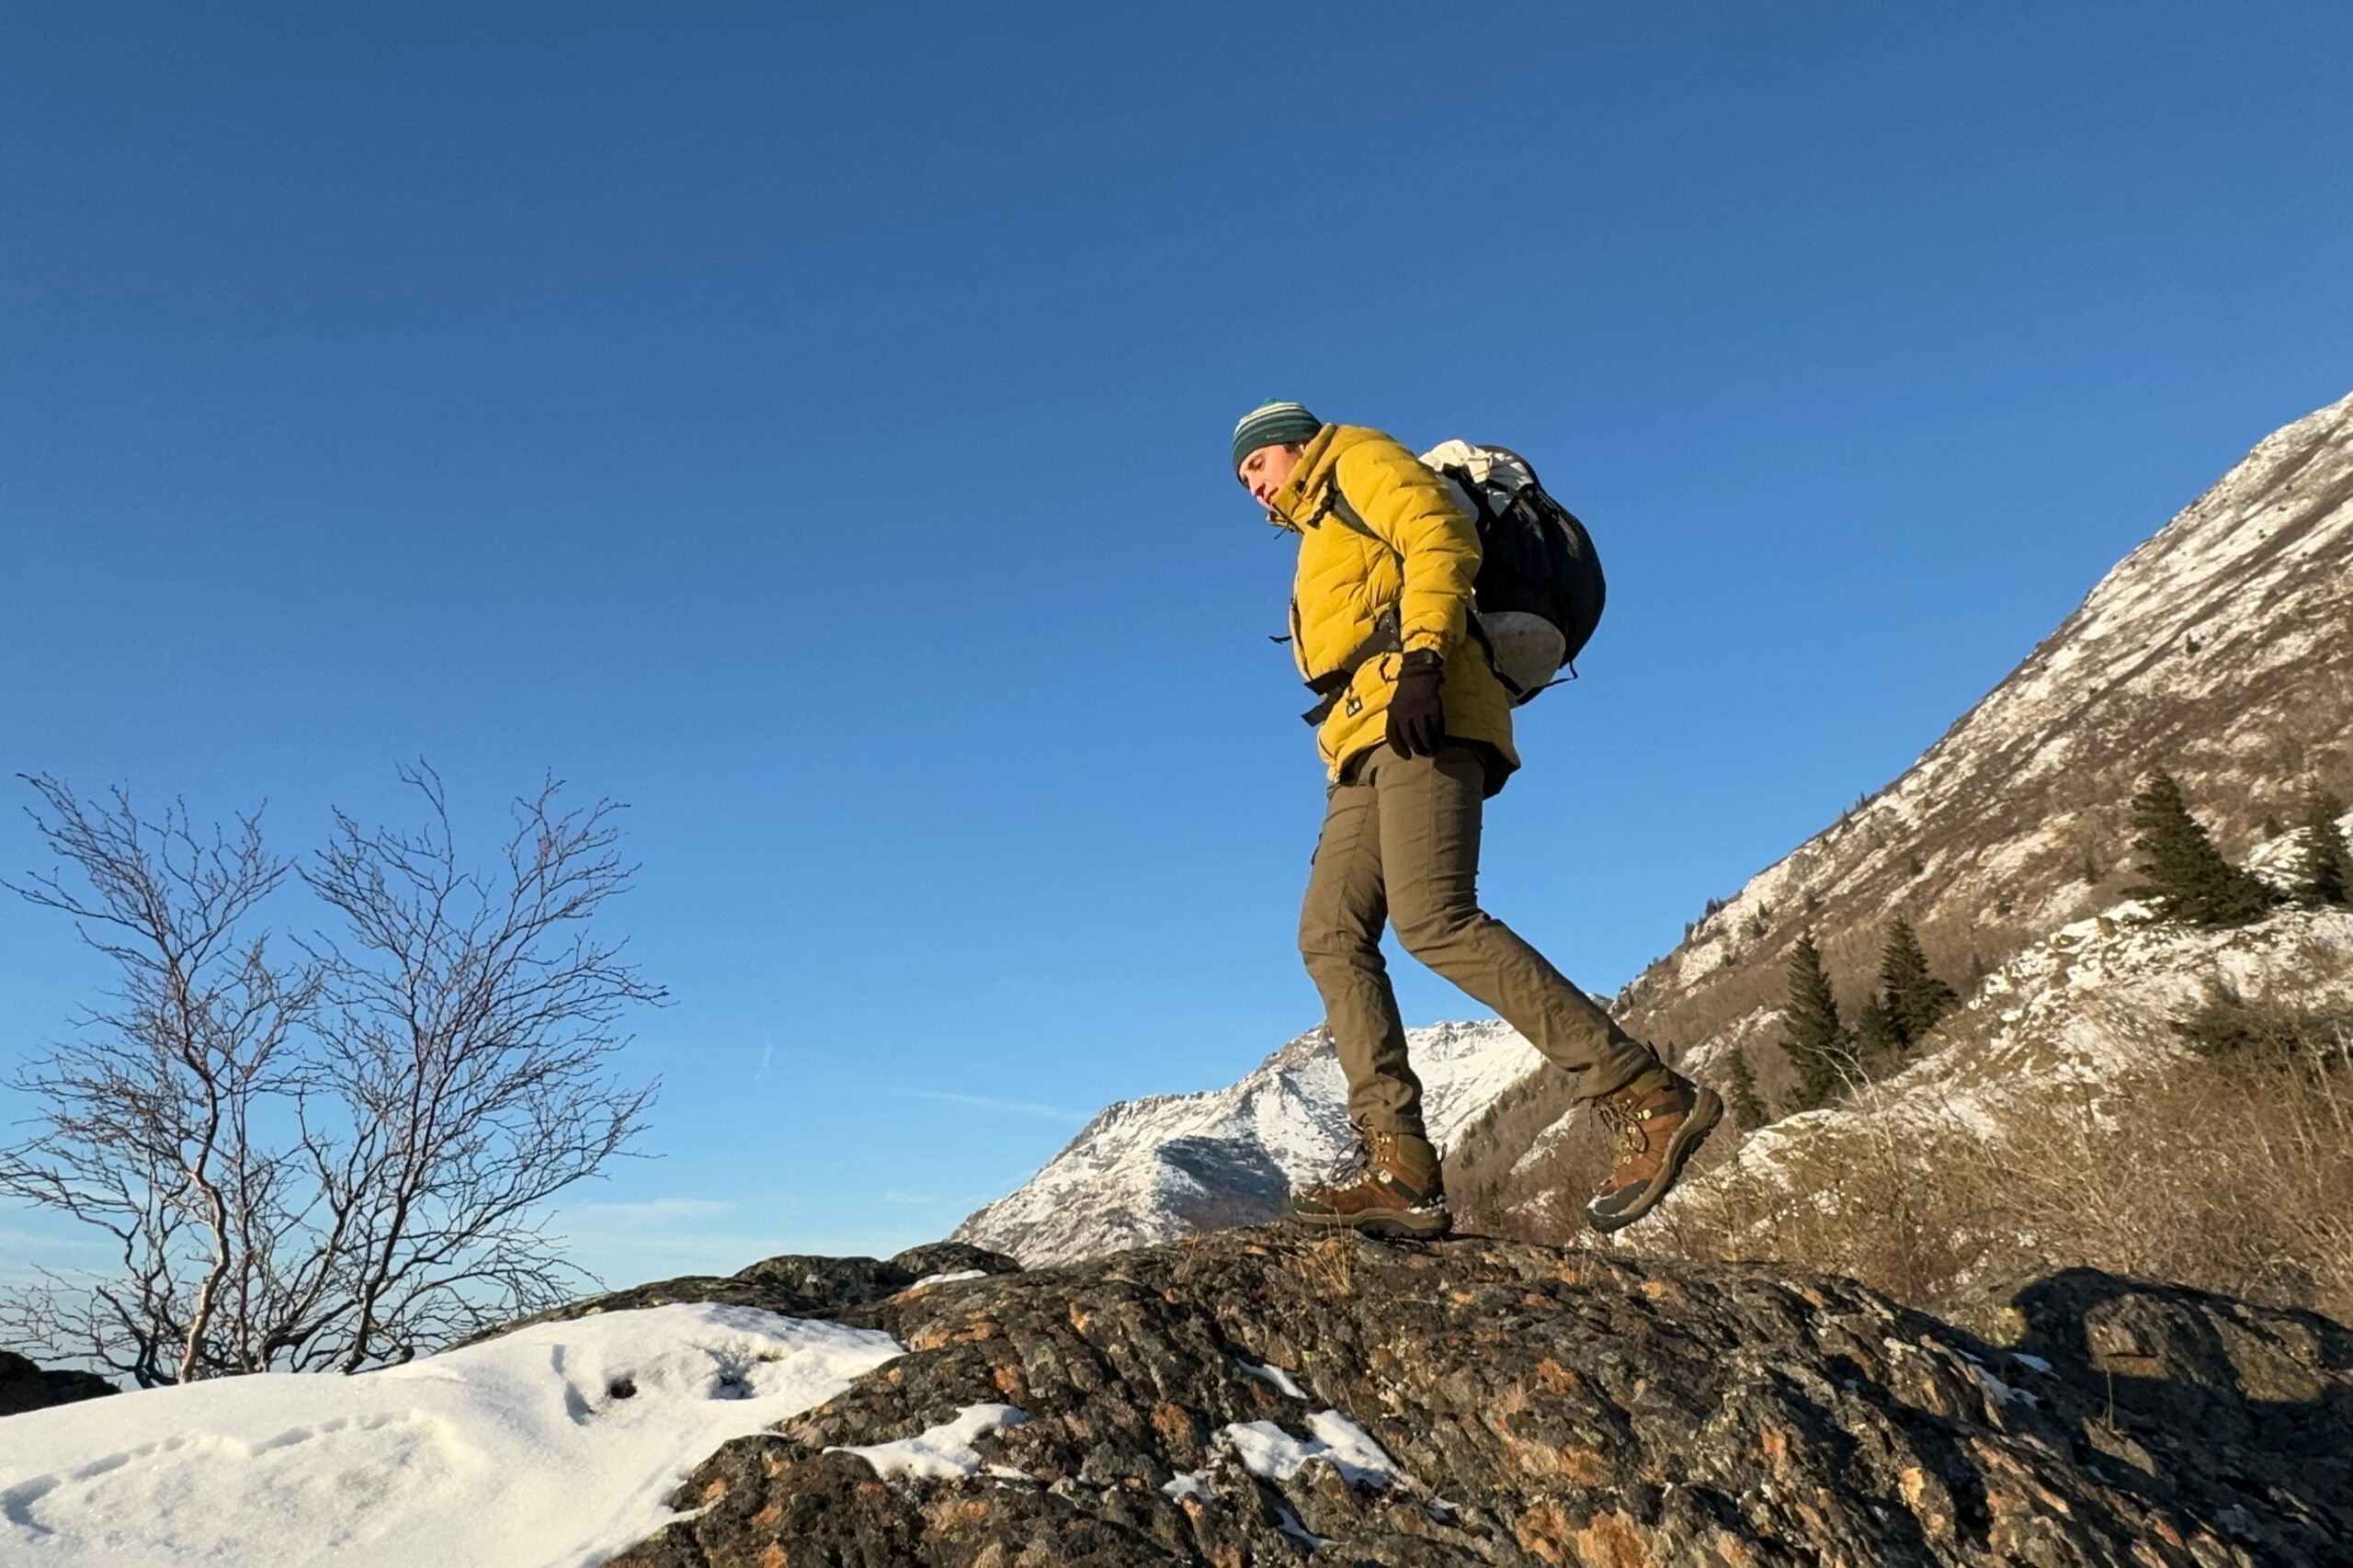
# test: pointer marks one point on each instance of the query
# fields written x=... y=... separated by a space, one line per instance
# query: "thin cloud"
x=653 y=1210
x=1011 y=1107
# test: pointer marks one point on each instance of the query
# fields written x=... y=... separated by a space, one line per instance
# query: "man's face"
x=1268 y=470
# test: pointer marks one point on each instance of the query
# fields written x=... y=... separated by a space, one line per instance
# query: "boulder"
x=843 y=1290
x=26 y=1386
x=1253 y=1397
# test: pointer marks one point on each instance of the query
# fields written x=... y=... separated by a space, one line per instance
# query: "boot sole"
x=1399 y=1225
x=1707 y=1110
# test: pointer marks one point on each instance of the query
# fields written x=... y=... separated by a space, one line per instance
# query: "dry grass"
x=2232 y=1170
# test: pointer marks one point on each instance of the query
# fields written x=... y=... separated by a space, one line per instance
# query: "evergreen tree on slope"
x=1747 y=1106
x=1820 y=1049
x=2188 y=879
x=2323 y=865
x=1905 y=1005
x=1913 y=997
x=1879 y=1040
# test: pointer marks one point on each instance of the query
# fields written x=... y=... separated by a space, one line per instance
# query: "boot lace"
x=1354 y=1163
x=1625 y=1126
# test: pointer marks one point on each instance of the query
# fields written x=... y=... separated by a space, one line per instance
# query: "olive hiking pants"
x=1400 y=844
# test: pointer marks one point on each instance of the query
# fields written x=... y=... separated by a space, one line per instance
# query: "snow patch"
x=552 y=1446
x=1272 y=1454
x=2001 y=1392
x=1187 y=1485
x=944 y=1452
x=1275 y=1375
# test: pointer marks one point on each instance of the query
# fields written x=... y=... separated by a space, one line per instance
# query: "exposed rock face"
x=26 y=1386
x=1237 y=1398
x=792 y=1285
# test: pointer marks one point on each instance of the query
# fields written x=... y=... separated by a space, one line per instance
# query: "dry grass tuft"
x=2230 y=1170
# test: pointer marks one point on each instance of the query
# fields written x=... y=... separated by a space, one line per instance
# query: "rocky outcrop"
x=1253 y=1397
x=792 y=1284
x=25 y=1385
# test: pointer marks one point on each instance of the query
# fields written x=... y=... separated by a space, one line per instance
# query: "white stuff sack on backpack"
x=1527 y=650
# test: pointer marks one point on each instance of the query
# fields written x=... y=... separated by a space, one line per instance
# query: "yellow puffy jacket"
x=1420 y=564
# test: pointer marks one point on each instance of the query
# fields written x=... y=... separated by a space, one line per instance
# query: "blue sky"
x=807 y=425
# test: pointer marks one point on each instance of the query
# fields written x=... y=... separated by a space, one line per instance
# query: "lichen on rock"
x=1536 y=1406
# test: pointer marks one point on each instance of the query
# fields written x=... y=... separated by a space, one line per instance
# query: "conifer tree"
x=1747 y=1106
x=2323 y=864
x=1912 y=998
x=2188 y=879
x=1820 y=1049
x=1878 y=1039
x=1907 y=1004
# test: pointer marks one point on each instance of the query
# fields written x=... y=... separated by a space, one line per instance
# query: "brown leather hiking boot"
x=1659 y=1119
x=1394 y=1188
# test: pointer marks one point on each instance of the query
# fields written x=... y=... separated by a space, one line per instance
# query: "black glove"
x=1416 y=713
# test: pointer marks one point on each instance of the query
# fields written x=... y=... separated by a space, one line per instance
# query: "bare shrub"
x=147 y=1126
x=339 y=1158
x=1851 y=1197
x=2232 y=1173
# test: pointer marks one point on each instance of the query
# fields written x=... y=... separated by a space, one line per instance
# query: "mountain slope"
x=1154 y=1169
x=2158 y=1100
x=2222 y=650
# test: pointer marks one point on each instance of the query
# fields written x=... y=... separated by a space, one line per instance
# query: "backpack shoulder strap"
x=1340 y=509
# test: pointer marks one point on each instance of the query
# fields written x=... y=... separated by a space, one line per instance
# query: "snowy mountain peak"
x=1154 y=1169
x=2218 y=649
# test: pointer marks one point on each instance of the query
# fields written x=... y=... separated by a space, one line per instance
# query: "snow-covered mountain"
x=1151 y=1170
x=2089 y=1005
x=2220 y=650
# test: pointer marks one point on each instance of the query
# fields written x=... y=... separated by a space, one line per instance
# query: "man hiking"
x=1414 y=729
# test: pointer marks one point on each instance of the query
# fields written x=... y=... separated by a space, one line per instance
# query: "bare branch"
x=342 y=1158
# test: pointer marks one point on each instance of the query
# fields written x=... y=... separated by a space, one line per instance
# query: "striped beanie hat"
x=1273 y=424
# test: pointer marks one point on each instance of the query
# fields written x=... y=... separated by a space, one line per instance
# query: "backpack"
x=1539 y=589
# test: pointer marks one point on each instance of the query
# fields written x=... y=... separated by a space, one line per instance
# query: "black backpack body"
x=1539 y=590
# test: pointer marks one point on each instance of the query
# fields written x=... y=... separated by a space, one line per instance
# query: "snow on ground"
x=1281 y=1379
x=944 y=1452
x=1270 y=1452
x=2086 y=1004
x=553 y=1446
x=1187 y=1486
